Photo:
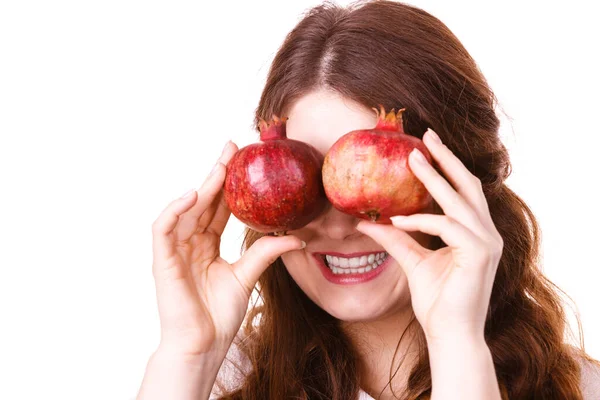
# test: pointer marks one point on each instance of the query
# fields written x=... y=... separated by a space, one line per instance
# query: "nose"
x=335 y=224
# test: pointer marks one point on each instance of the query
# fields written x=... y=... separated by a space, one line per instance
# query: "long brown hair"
x=397 y=55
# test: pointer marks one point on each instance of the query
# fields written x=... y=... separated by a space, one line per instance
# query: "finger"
x=228 y=152
x=166 y=223
x=260 y=255
x=220 y=217
x=400 y=245
x=452 y=203
x=453 y=233
x=465 y=183
x=188 y=223
x=217 y=215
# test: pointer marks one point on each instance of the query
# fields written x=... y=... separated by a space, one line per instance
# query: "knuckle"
x=497 y=243
x=499 y=247
x=483 y=253
x=269 y=246
x=493 y=248
x=476 y=181
x=479 y=248
x=165 y=271
x=447 y=222
x=500 y=241
x=271 y=260
x=262 y=243
x=263 y=246
x=156 y=226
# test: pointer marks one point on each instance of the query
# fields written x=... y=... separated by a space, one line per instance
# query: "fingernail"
x=188 y=193
x=398 y=218
x=433 y=135
x=418 y=156
x=302 y=244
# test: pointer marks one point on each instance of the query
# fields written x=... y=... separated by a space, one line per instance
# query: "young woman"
x=459 y=308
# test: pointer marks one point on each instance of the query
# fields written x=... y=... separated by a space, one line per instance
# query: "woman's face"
x=320 y=118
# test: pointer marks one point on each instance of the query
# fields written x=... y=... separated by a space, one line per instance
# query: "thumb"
x=400 y=245
x=261 y=254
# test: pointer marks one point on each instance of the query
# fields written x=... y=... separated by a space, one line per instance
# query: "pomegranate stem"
x=275 y=129
x=373 y=215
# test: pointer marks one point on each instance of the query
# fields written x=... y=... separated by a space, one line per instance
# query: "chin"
x=365 y=308
x=353 y=314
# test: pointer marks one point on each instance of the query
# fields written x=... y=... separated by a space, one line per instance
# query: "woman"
x=460 y=309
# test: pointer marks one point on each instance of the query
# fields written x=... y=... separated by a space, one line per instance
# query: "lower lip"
x=352 y=278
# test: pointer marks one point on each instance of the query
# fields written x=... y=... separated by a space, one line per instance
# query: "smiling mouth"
x=354 y=265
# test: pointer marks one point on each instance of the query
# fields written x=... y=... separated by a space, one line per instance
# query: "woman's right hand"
x=202 y=299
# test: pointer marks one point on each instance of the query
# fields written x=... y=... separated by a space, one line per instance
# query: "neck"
x=385 y=361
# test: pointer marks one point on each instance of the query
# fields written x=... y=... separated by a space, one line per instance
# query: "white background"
x=111 y=109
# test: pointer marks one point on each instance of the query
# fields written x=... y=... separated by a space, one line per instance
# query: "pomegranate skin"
x=275 y=185
x=366 y=172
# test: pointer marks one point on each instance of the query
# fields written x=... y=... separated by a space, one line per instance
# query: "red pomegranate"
x=275 y=185
x=366 y=172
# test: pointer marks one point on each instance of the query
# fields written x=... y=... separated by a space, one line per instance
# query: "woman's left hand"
x=450 y=287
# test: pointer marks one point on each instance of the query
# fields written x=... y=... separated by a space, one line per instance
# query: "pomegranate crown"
x=391 y=121
x=274 y=129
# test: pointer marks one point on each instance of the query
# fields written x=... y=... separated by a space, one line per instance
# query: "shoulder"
x=233 y=371
x=590 y=379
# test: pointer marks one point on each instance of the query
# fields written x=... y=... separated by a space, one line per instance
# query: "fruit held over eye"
x=275 y=185
x=366 y=172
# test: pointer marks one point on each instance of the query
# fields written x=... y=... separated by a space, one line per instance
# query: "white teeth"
x=361 y=270
x=354 y=265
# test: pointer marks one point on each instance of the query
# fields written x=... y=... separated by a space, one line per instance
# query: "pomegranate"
x=275 y=185
x=366 y=172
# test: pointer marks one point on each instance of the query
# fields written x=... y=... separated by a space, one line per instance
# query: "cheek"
x=297 y=265
x=306 y=275
x=290 y=261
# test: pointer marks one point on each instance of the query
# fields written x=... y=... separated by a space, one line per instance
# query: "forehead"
x=321 y=117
